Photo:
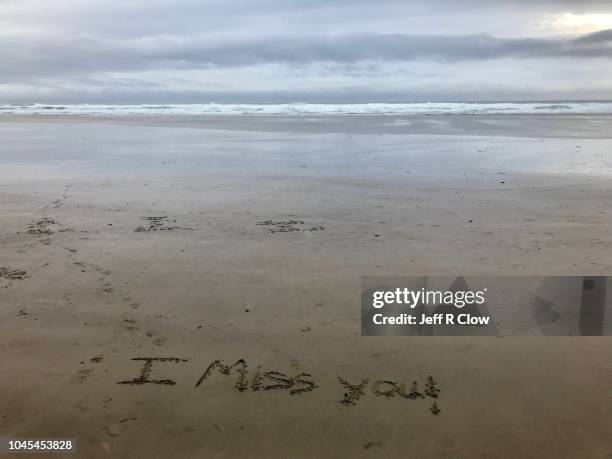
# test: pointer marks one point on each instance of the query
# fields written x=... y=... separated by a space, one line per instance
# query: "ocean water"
x=313 y=109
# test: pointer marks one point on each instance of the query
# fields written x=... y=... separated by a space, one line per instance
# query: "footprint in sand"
x=157 y=340
x=83 y=374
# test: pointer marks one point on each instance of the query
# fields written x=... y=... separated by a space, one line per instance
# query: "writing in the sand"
x=294 y=384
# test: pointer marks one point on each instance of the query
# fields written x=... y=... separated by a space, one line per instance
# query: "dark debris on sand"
x=13 y=274
x=41 y=226
x=288 y=226
x=156 y=224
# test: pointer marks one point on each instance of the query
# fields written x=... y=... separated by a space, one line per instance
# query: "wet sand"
x=134 y=237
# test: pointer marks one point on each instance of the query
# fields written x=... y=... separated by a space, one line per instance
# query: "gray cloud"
x=205 y=49
x=603 y=36
x=91 y=55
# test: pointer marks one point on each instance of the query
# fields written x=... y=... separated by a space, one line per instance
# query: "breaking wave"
x=312 y=109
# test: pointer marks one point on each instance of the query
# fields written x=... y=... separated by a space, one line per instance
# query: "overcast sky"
x=160 y=51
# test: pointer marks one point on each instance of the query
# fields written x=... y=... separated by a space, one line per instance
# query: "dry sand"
x=473 y=195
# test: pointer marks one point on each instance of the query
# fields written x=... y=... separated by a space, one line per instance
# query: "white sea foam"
x=313 y=109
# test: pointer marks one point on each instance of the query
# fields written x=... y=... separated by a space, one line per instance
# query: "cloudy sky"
x=160 y=51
